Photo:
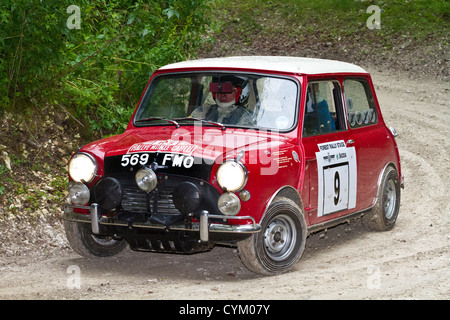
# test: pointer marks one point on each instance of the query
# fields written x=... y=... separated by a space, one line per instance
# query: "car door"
x=330 y=183
x=367 y=135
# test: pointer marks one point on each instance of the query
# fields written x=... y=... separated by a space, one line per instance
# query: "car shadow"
x=323 y=241
x=222 y=263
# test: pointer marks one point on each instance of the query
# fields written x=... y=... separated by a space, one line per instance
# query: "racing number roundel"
x=336 y=167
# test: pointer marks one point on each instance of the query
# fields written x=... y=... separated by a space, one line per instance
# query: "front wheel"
x=90 y=246
x=280 y=243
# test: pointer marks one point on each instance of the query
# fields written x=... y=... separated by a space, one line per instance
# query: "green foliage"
x=99 y=71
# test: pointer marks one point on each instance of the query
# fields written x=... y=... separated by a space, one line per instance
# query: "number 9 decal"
x=336 y=188
x=336 y=168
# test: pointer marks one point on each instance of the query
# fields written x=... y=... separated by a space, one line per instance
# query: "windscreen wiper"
x=159 y=118
x=217 y=124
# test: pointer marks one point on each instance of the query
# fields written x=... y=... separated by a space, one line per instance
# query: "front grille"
x=158 y=205
x=137 y=201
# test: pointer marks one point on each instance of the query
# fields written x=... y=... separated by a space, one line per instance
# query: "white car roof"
x=272 y=63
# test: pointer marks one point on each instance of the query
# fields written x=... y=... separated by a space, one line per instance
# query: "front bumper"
x=204 y=227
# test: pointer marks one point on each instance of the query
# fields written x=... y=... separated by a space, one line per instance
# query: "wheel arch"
x=286 y=192
x=380 y=178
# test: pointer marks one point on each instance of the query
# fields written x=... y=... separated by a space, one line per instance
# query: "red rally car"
x=258 y=152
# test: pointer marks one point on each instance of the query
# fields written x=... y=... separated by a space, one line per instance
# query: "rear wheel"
x=383 y=215
x=281 y=241
x=89 y=245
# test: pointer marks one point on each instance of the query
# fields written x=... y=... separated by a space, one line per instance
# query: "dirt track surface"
x=346 y=262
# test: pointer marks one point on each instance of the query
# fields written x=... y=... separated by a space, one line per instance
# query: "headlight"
x=232 y=176
x=82 y=167
x=146 y=179
x=229 y=204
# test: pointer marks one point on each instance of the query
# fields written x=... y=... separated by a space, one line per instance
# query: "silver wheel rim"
x=389 y=199
x=280 y=237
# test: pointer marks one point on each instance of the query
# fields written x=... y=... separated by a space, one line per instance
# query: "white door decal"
x=336 y=168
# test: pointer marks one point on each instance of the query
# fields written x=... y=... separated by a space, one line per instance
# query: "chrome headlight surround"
x=83 y=167
x=232 y=176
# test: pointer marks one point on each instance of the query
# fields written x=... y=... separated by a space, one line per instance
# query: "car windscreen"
x=228 y=99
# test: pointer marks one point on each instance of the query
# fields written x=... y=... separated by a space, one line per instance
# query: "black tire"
x=383 y=215
x=280 y=243
x=90 y=246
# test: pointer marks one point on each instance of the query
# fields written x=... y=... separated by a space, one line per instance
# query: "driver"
x=227 y=93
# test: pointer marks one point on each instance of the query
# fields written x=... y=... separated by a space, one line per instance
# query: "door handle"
x=350 y=142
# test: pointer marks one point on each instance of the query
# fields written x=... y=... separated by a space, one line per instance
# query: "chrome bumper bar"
x=204 y=227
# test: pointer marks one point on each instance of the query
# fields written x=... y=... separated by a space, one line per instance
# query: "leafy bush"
x=96 y=72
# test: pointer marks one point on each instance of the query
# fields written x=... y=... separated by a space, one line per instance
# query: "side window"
x=361 y=109
x=322 y=110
